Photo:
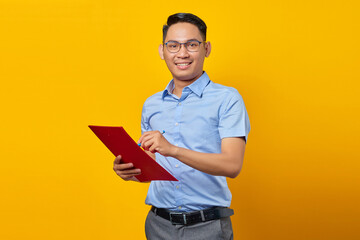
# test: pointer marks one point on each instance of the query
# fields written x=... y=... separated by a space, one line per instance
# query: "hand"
x=126 y=170
x=154 y=141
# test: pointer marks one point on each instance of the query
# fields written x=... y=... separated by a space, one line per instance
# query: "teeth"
x=182 y=64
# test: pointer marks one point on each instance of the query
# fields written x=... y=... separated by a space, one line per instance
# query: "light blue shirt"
x=205 y=113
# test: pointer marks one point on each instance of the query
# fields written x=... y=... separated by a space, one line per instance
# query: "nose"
x=183 y=52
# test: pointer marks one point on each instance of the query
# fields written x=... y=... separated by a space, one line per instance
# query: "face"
x=185 y=65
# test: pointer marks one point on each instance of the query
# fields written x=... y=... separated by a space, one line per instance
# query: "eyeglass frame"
x=191 y=40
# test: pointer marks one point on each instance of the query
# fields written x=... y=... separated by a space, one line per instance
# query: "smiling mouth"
x=182 y=64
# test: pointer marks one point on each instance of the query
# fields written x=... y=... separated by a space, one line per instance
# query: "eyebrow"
x=193 y=39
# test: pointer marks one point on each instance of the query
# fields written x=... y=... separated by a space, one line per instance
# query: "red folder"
x=119 y=142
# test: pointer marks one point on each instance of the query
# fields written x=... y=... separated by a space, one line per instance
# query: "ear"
x=207 y=49
x=161 y=51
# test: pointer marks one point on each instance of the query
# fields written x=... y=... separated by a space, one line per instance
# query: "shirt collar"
x=196 y=87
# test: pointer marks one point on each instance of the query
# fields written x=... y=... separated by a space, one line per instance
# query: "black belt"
x=188 y=218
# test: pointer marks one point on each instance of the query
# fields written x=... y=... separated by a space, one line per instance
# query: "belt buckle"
x=175 y=213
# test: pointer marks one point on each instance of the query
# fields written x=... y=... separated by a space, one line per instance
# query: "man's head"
x=184 y=48
x=185 y=17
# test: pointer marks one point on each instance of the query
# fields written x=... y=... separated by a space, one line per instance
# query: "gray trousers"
x=157 y=228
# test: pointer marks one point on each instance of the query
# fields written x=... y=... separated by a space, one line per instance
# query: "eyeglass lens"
x=191 y=46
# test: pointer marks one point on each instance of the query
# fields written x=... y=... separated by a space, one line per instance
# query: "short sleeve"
x=234 y=120
x=145 y=126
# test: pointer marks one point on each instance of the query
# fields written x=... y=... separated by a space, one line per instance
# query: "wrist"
x=175 y=151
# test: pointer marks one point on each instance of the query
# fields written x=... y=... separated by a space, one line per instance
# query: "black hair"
x=185 y=17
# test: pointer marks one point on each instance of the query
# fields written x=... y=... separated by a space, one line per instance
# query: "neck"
x=179 y=85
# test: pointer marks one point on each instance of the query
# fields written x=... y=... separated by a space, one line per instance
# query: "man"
x=197 y=130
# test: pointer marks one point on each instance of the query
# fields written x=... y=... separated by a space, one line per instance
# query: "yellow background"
x=65 y=64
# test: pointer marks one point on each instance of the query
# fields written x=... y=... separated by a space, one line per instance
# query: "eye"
x=193 y=44
x=172 y=45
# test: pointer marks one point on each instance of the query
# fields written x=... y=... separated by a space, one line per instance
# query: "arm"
x=228 y=163
x=126 y=170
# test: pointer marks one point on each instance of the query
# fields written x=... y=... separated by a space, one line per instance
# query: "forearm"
x=220 y=164
x=227 y=163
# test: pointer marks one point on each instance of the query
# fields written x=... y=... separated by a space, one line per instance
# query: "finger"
x=155 y=143
x=127 y=175
x=151 y=147
x=154 y=148
x=135 y=171
x=123 y=166
x=117 y=159
x=127 y=178
x=145 y=135
x=136 y=180
x=131 y=179
x=147 y=144
x=144 y=138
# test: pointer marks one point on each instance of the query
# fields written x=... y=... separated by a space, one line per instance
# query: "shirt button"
x=177 y=187
x=176 y=124
x=176 y=144
x=177 y=165
x=179 y=207
x=179 y=103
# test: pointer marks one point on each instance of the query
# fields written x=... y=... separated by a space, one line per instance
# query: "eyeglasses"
x=191 y=46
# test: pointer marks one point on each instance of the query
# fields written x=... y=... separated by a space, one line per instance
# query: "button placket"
x=176 y=140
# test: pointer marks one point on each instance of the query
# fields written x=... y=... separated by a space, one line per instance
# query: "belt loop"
x=171 y=218
x=155 y=211
x=202 y=215
x=184 y=217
